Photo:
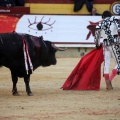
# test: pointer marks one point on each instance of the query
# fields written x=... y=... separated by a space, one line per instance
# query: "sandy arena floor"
x=52 y=103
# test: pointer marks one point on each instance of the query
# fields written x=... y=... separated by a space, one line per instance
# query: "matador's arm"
x=116 y=21
x=97 y=35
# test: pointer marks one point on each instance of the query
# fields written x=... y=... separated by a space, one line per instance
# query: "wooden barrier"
x=15 y=10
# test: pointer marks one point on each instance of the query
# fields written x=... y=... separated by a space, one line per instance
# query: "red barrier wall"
x=68 y=1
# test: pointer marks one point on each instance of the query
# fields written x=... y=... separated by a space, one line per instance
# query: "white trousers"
x=111 y=51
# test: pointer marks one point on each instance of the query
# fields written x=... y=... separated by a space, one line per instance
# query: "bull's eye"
x=40 y=25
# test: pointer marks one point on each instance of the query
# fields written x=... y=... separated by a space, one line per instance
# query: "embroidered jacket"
x=107 y=29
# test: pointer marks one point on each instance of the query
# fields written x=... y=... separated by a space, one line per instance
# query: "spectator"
x=7 y=3
x=79 y=4
x=94 y=12
x=20 y=2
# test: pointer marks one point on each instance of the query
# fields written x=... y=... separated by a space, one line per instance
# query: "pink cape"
x=87 y=73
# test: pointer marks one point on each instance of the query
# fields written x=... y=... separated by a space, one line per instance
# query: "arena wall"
x=73 y=52
x=64 y=6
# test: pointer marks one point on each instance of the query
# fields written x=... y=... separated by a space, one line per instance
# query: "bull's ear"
x=58 y=48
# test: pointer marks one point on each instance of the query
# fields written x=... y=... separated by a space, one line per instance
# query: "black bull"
x=41 y=53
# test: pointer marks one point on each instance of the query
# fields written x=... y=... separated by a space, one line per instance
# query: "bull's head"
x=51 y=50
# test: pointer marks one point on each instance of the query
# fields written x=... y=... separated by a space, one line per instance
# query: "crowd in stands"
x=11 y=3
x=77 y=5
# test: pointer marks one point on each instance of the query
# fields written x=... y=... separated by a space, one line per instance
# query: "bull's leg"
x=14 y=80
x=27 y=80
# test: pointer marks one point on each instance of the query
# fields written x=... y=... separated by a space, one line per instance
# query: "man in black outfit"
x=20 y=2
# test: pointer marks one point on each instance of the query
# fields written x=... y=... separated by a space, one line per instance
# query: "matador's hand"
x=97 y=46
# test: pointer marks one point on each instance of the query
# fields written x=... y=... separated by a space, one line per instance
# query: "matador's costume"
x=87 y=73
x=108 y=29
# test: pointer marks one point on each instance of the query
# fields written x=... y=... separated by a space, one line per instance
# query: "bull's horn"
x=58 y=48
x=61 y=49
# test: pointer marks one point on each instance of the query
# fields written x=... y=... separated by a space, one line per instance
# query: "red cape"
x=87 y=73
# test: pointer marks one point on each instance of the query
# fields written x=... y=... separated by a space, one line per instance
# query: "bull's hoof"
x=16 y=94
x=30 y=94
